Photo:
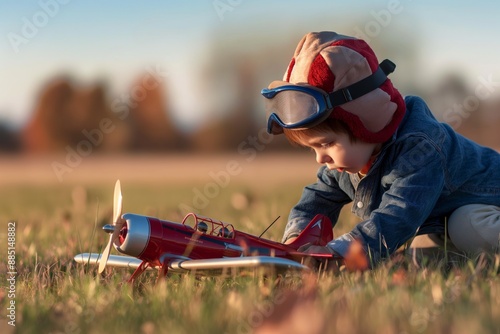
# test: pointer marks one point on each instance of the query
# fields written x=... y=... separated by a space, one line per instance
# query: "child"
x=406 y=173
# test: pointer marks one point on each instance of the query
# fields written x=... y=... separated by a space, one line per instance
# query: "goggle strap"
x=363 y=86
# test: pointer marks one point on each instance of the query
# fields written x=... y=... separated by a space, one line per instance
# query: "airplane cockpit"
x=209 y=226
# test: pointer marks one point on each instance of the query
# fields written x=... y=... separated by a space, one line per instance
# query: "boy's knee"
x=474 y=228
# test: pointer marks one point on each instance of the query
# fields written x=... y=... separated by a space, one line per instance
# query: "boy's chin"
x=349 y=171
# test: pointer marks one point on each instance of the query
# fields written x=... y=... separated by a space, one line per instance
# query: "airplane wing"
x=204 y=265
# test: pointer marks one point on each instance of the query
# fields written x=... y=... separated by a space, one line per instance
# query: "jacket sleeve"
x=323 y=197
x=415 y=184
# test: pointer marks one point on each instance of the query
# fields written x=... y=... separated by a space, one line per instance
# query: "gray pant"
x=471 y=228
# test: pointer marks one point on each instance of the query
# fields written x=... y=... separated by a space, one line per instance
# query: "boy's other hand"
x=310 y=249
x=329 y=265
x=289 y=241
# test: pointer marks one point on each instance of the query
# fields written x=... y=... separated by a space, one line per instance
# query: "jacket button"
x=359 y=205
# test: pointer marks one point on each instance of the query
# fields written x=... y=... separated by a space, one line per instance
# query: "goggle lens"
x=292 y=107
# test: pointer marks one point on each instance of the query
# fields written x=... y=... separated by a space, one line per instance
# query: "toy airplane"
x=198 y=243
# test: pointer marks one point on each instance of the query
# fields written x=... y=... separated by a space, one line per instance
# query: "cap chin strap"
x=363 y=86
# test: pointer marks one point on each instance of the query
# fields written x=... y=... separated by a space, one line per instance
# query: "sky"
x=115 y=40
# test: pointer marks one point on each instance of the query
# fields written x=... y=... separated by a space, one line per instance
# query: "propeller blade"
x=117 y=212
x=117 y=202
x=105 y=254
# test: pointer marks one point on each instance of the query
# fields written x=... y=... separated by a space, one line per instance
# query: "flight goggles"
x=292 y=106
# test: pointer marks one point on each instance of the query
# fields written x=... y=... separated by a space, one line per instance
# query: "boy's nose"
x=322 y=158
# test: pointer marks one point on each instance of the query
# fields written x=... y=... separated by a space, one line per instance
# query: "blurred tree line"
x=69 y=116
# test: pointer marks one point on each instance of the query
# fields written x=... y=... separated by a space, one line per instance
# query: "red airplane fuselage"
x=157 y=241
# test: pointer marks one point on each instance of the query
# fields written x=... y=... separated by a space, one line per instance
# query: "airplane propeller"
x=117 y=212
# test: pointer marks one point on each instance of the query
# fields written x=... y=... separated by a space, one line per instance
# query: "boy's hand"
x=355 y=259
x=330 y=265
x=310 y=249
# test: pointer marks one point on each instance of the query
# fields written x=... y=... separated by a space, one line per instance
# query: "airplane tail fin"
x=318 y=232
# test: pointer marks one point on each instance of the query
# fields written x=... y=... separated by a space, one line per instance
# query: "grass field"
x=56 y=220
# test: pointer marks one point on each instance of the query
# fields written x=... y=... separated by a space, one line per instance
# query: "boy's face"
x=336 y=151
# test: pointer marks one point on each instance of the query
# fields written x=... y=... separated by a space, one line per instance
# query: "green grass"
x=54 y=295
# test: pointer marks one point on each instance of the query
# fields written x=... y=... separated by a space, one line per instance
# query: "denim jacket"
x=422 y=174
